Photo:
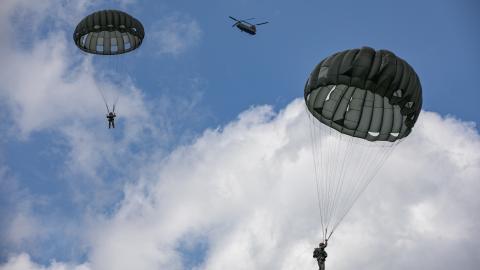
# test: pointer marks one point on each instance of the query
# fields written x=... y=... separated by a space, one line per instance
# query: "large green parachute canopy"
x=108 y=32
x=373 y=95
x=361 y=103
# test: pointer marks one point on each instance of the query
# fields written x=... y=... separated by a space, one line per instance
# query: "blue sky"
x=195 y=114
x=240 y=70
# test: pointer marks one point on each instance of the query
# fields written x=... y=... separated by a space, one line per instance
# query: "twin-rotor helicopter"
x=245 y=26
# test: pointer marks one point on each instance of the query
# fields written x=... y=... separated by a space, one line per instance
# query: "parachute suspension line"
x=120 y=67
x=326 y=146
x=328 y=171
x=116 y=67
x=333 y=148
x=347 y=193
x=343 y=168
x=322 y=148
x=368 y=175
x=100 y=88
x=344 y=200
x=329 y=147
x=323 y=175
x=107 y=66
x=104 y=99
x=341 y=177
x=340 y=155
x=338 y=183
x=311 y=123
x=116 y=101
x=331 y=232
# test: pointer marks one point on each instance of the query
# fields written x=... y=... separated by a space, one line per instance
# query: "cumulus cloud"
x=244 y=192
x=243 y=196
x=18 y=223
x=23 y=262
x=175 y=34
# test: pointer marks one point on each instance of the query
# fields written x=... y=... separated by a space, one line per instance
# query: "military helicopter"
x=245 y=26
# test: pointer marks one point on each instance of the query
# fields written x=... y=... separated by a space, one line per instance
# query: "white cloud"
x=174 y=34
x=18 y=223
x=23 y=262
x=246 y=191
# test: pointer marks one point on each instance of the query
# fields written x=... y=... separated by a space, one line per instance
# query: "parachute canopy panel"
x=109 y=32
x=373 y=95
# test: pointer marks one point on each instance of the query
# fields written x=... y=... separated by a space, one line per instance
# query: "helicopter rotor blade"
x=261 y=23
x=233 y=18
x=248 y=19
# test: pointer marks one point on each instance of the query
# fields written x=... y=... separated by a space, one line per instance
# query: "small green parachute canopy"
x=373 y=95
x=108 y=32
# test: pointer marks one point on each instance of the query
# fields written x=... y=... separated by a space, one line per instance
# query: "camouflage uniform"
x=321 y=255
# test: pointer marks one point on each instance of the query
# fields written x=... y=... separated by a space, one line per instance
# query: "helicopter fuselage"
x=250 y=29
